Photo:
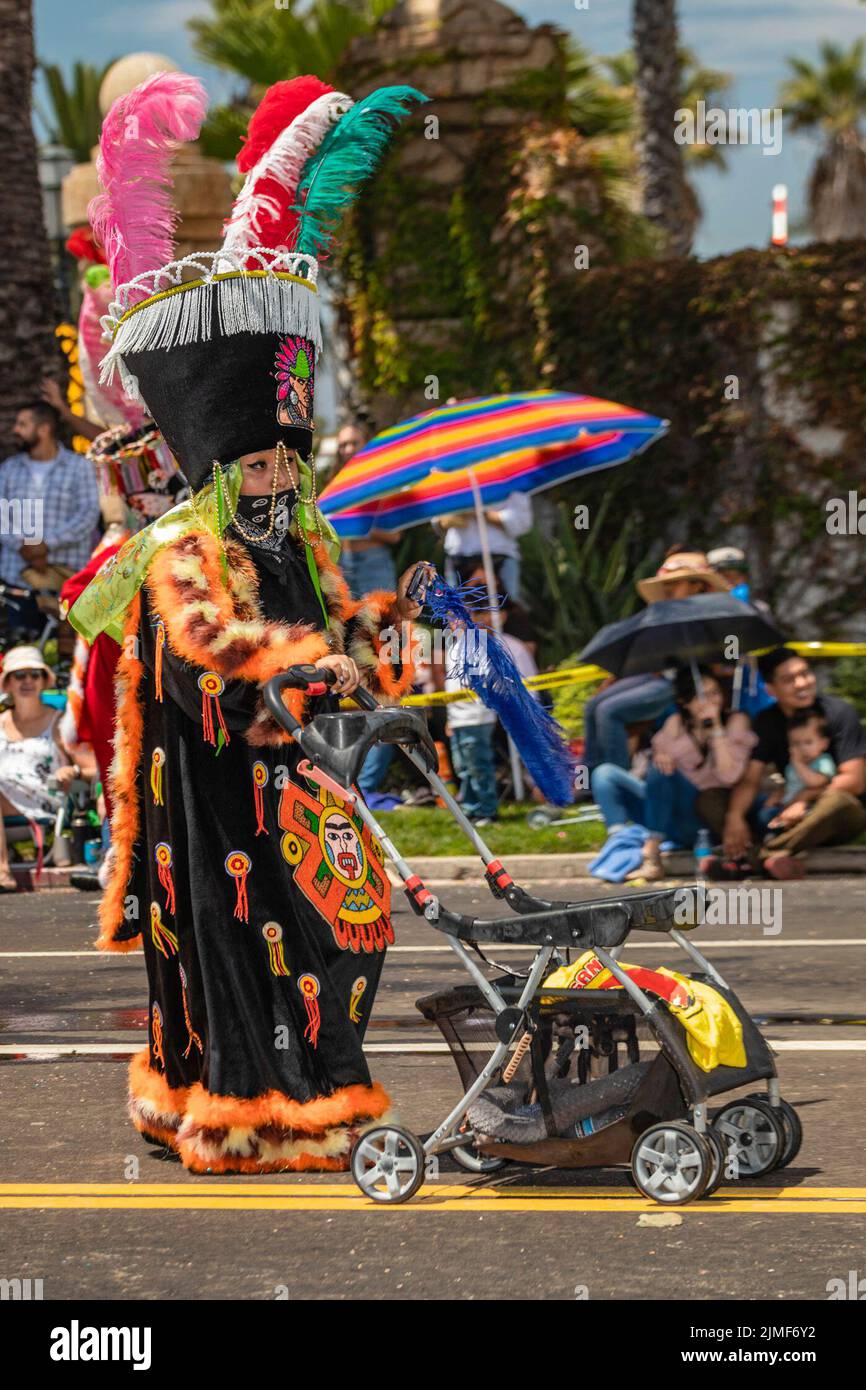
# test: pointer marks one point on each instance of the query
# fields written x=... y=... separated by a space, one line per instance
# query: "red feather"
x=277 y=109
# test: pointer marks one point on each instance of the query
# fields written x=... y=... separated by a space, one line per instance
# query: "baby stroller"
x=564 y=1082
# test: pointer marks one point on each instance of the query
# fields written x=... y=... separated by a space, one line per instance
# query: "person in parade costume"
x=260 y=898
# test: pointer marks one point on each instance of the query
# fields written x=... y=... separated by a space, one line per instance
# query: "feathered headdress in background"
x=134 y=217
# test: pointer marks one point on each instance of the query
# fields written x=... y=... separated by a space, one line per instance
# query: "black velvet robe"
x=262 y=901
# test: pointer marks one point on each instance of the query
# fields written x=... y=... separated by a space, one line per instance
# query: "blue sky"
x=747 y=38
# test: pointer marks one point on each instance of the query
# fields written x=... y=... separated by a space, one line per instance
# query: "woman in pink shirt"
x=699 y=747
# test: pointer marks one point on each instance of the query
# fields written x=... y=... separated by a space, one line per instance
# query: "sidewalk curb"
x=845 y=859
x=456 y=868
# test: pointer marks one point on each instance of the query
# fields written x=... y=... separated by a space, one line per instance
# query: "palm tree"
x=696 y=83
x=27 y=301
x=263 y=44
x=664 y=191
x=74 y=119
x=830 y=97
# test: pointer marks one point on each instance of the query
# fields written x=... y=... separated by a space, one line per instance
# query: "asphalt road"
x=72 y=1215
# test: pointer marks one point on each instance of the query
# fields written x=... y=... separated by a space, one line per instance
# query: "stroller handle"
x=313 y=680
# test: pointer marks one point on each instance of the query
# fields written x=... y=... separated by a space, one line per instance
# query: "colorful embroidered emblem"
x=238 y=866
x=163 y=857
x=163 y=938
x=212 y=686
x=261 y=777
x=295 y=376
x=309 y=987
x=355 y=998
x=157 y=661
x=157 y=763
x=192 y=1035
x=273 y=934
x=339 y=867
x=156 y=1036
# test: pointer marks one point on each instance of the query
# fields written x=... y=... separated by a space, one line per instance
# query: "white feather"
x=283 y=162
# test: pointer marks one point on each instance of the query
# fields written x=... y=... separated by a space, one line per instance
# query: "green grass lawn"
x=425 y=830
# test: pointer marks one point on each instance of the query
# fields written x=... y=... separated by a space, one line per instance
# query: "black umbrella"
x=680 y=631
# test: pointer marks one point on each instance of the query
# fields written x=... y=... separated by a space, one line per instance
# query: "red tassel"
x=260 y=781
x=238 y=866
x=309 y=987
x=211 y=686
x=156 y=1030
x=157 y=665
x=192 y=1035
x=162 y=855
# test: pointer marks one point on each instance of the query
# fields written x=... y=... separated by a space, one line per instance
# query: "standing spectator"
x=506 y=522
x=367 y=562
x=830 y=813
x=50 y=505
x=701 y=746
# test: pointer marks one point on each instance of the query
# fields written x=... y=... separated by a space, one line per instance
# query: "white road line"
x=736 y=944
x=47 y=1051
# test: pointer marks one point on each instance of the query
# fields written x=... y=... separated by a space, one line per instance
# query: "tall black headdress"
x=221 y=346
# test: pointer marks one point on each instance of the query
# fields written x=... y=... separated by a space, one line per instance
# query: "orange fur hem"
x=348 y=1104
x=150 y=1087
x=124 y=790
x=236 y=1164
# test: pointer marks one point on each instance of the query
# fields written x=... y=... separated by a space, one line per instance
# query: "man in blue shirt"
x=49 y=505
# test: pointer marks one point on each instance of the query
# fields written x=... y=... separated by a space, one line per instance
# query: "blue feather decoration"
x=349 y=154
x=483 y=664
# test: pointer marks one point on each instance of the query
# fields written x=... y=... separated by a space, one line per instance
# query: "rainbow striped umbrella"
x=477 y=452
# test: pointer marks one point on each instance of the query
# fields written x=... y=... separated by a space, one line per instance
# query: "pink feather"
x=134 y=217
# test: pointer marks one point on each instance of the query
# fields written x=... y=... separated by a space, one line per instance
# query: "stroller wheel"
x=754 y=1135
x=387 y=1163
x=720 y=1153
x=539 y=818
x=790 y=1124
x=474 y=1162
x=671 y=1163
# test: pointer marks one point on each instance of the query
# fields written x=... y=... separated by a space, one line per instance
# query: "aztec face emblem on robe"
x=294 y=373
x=339 y=867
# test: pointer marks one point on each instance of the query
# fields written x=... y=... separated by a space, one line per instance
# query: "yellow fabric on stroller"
x=715 y=1035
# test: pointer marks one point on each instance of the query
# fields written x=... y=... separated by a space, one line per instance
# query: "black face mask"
x=256 y=512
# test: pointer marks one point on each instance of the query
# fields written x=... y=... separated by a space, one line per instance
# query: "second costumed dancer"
x=261 y=900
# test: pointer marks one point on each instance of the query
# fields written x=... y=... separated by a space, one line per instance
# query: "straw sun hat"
x=686 y=564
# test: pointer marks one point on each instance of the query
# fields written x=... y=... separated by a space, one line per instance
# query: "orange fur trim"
x=124 y=790
x=273 y=1108
x=149 y=1087
x=229 y=1163
x=375 y=613
x=187 y=587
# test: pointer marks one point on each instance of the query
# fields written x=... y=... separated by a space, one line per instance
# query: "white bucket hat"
x=25 y=659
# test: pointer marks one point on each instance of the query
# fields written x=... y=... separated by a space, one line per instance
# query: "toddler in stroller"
x=565 y=1082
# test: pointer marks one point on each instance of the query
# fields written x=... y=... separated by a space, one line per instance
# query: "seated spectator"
x=30 y=750
x=699 y=747
x=811 y=764
x=51 y=510
x=830 y=813
x=608 y=714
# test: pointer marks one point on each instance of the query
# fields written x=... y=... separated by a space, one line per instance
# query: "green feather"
x=349 y=154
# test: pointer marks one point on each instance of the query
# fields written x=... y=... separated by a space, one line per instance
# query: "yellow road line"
x=623 y=1206
x=343 y=1197
x=287 y=1189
